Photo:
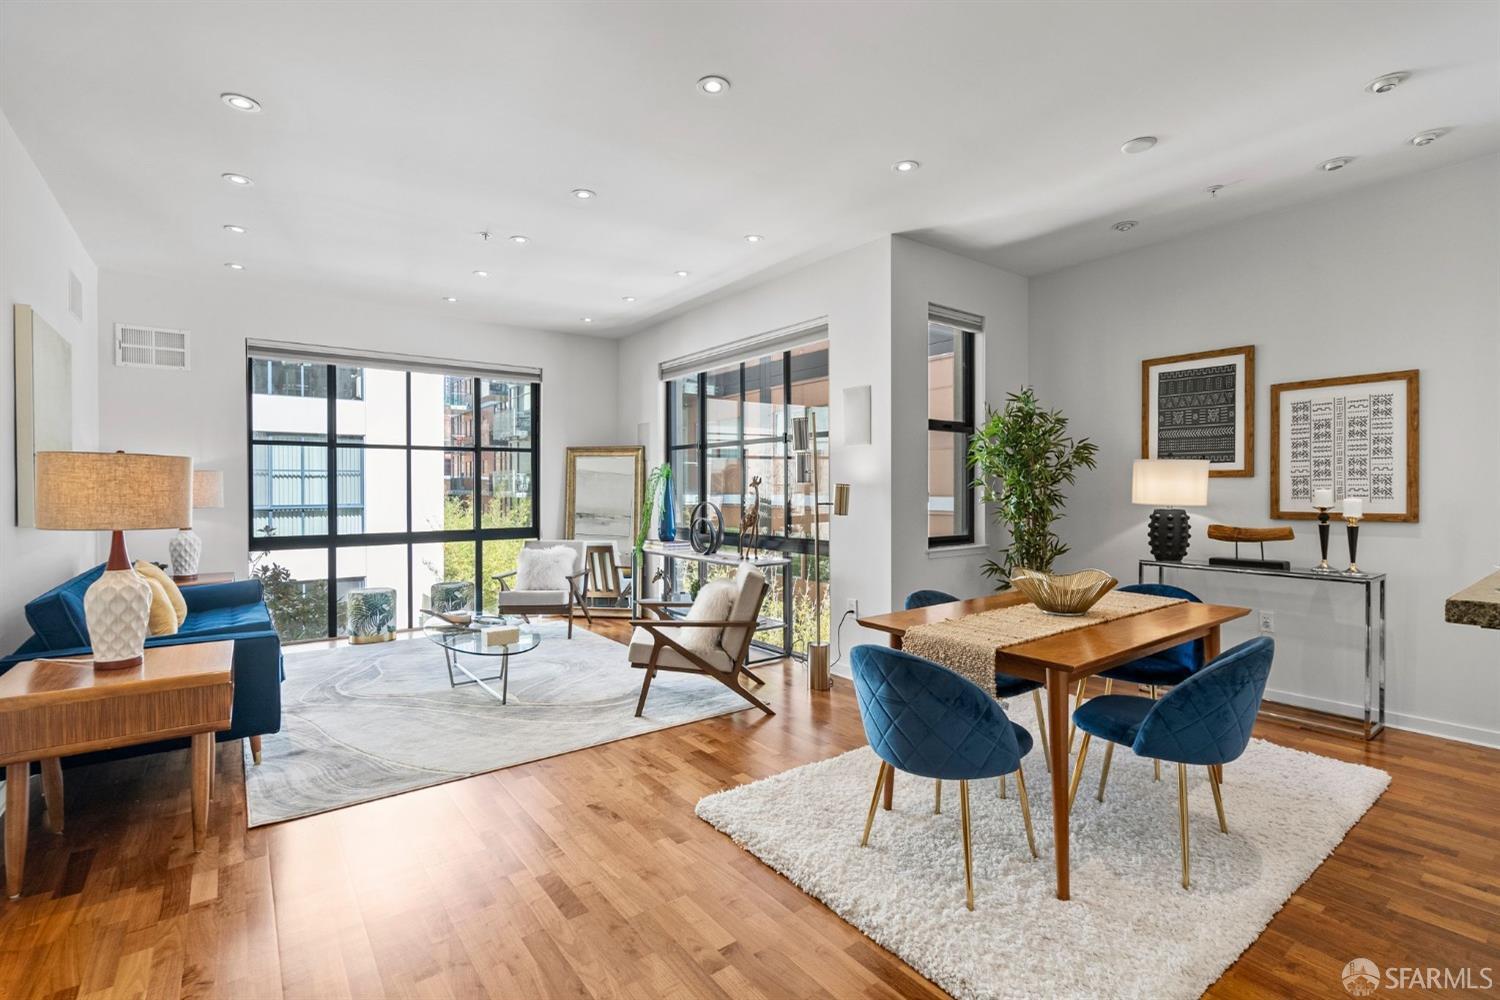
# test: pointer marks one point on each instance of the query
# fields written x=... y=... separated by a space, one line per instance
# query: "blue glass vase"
x=666 y=528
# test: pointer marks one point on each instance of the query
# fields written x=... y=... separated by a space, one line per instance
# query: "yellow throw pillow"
x=151 y=571
x=163 y=620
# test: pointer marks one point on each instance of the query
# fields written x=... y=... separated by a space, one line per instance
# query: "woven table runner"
x=967 y=645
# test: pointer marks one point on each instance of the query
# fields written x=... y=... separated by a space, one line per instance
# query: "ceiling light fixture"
x=713 y=86
x=233 y=266
x=1337 y=163
x=753 y=238
x=1124 y=225
x=239 y=180
x=1386 y=84
x=481 y=274
x=1429 y=137
x=680 y=274
x=240 y=102
x=587 y=319
x=627 y=298
x=905 y=166
x=237 y=230
x=1214 y=189
x=449 y=299
x=518 y=239
x=583 y=194
x=1139 y=144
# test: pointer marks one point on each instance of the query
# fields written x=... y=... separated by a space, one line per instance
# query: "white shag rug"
x=1130 y=929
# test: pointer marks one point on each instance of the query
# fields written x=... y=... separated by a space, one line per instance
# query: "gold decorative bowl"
x=1065 y=594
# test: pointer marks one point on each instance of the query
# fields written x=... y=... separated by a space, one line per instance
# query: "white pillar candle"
x=1353 y=507
x=1322 y=498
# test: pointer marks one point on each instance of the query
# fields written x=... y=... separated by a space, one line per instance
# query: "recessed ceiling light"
x=1337 y=163
x=1429 y=137
x=1124 y=225
x=1139 y=144
x=449 y=298
x=905 y=166
x=518 y=239
x=233 y=266
x=680 y=274
x=238 y=179
x=583 y=194
x=1386 y=84
x=587 y=319
x=240 y=102
x=713 y=86
x=753 y=238
x=481 y=274
x=238 y=230
x=627 y=298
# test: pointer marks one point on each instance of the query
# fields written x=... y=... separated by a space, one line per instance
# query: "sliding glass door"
x=365 y=476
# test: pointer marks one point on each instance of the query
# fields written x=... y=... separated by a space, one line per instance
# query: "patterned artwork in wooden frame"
x=1356 y=436
x=1201 y=406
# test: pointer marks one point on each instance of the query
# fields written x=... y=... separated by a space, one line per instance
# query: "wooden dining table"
x=1060 y=661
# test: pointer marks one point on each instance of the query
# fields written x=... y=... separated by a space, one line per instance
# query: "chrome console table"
x=669 y=554
x=1374 y=586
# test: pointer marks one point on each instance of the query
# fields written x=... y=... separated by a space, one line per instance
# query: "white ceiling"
x=392 y=132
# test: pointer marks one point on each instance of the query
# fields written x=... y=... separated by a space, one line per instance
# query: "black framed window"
x=950 y=426
x=434 y=480
x=730 y=424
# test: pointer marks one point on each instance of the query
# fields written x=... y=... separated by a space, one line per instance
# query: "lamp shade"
x=1169 y=482
x=841 y=499
x=112 y=491
x=208 y=489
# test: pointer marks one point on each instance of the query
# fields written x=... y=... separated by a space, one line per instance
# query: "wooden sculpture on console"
x=750 y=521
x=1231 y=533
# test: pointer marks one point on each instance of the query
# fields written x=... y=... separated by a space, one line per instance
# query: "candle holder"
x=1352 y=523
x=1322 y=566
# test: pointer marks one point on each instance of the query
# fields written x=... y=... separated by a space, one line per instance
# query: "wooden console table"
x=56 y=708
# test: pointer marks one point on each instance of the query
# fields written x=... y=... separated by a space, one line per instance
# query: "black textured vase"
x=1168 y=533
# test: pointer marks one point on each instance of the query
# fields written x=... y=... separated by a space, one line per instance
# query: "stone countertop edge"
x=1477 y=604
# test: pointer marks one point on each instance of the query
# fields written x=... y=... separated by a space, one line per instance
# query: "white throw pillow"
x=545 y=569
x=711 y=605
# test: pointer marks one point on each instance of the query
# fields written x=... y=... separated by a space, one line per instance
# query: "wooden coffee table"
x=56 y=708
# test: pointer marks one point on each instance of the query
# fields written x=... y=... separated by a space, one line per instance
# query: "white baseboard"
x=1395 y=720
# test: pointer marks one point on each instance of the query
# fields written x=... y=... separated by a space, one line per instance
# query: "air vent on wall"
x=150 y=347
x=75 y=296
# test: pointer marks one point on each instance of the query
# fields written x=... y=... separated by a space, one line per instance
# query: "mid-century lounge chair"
x=558 y=597
x=659 y=641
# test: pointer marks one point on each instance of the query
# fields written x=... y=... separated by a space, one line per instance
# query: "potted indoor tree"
x=1022 y=458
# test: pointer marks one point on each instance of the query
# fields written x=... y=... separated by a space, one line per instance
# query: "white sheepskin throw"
x=711 y=605
x=545 y=569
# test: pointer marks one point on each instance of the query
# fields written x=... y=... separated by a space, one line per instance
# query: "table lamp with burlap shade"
x=114 y=492
x=186 y=548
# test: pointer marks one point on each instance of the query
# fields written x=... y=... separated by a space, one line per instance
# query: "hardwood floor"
x=587 y=875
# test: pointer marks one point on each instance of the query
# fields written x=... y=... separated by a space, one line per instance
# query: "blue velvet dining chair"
x=924 y=719
x=1204 y=720
x=1006 y=686
x=1159 y=670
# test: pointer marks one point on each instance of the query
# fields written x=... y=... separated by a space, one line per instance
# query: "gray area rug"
x=363 y=722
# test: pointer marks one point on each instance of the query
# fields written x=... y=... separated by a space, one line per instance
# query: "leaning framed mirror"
x=603 y=509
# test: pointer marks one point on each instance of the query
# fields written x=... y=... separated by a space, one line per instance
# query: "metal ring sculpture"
x=706 y=528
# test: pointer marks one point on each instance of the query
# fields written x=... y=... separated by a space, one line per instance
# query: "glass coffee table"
x=469 y=640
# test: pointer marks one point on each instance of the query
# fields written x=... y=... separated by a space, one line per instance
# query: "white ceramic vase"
x=117 y=608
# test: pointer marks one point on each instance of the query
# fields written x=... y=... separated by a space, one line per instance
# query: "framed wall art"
x=1201 y=406
x=1356 y=436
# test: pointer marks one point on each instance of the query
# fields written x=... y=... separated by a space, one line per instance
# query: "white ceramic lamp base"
x=184 y=551
x=117 y=608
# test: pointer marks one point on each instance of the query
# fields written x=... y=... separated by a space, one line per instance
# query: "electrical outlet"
x=1267 y=623
x=853 y=605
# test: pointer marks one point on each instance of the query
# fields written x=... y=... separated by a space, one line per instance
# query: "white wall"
x=921 y=275
x=852 y=290
x=202 y=412
x=37 y=249
x=1400 y=275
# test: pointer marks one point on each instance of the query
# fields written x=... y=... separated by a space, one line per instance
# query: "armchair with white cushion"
x=712 y=639
x=550 y=578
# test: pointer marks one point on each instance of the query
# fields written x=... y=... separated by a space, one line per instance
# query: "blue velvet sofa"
x=223 y=611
